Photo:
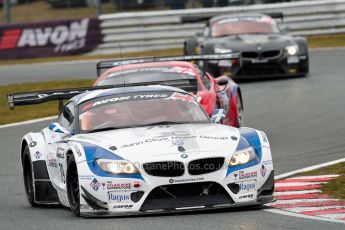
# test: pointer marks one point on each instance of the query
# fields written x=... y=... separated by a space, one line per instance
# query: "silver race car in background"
x=140 y=150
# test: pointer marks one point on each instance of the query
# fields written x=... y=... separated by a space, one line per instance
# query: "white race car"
x=141 y=150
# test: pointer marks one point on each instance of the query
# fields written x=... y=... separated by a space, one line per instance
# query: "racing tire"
x=72 y=184
x=239 y=108
x=28 y=177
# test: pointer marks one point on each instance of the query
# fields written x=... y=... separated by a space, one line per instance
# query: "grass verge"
x=33 y=111
x=323 y=41
x=167 y=52
x=334 y=188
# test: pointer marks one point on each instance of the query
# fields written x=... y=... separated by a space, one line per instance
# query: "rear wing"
x=195 y=19
x=38 y=97
x=105 y=65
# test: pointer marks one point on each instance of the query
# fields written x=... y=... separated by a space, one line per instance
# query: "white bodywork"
x=148 y=144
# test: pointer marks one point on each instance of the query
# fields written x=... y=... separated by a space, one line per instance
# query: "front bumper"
x=102 y=196
x=259 y=201
x=282 y=66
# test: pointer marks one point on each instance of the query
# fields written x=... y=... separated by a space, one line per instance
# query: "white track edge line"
x=284 y=175
x=287 y=213
x=27 y=122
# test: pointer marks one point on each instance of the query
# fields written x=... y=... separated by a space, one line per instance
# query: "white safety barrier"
x=142 y=31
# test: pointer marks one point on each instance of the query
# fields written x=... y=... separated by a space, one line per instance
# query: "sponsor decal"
x=124 y=98
x=264 y=137
x=186 y=180
x=38 y=155
x=62 y=173
x=95 y=184
x=115 y=186
x=33 y=144
x=49 y=38
x=171 y=138
x=119 y=197
x=269 y=162
x=214 y=138
x=174 y=133
x=85 y=207
x=123 y=206
x=236 y=175
x=247 y=186
x=52 y=163
x=60 y=152
x=247 y=196
x=247 y=175
x=177 y=142
x=86 y=177
x=77 y=150
x=263 y=170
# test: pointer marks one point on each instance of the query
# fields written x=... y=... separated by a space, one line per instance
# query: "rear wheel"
x=72 y=183
x=239 y=108
x=28 y=177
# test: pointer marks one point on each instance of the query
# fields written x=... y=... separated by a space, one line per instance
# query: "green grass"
x=334 y=188
x=322 y=41
x=23 y=113
x=166 y=52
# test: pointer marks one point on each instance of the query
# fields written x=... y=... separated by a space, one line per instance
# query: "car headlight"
x=222 y=51
x=242 y=157
x=117 y=167
x=292 y=50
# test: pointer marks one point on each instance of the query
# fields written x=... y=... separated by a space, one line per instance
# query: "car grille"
x=164 y=168
x=174 y=196
x=206 y=165
x=271 y=54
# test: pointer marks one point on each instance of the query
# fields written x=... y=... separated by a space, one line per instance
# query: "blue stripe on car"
x=93 y=152
x=248 y=138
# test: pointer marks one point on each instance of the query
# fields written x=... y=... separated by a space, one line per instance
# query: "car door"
x=59 y=133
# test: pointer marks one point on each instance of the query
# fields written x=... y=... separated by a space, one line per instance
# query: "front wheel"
x=28 y=177
x=72 y=184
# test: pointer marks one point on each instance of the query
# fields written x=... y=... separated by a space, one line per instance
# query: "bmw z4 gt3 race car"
x=267 y=51
x=141 y=150
x=213 y=93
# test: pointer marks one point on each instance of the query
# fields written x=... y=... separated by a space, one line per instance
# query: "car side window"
x=205 y=81
x=66 y=117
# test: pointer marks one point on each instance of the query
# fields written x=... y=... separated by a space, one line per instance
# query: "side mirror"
x=222 y=81
x=56 y=127
x=218 y=115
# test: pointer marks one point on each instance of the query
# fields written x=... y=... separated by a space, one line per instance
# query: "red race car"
x=219 y=94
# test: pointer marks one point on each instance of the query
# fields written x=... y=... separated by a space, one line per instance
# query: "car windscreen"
x=147 y=74
x=139 y=109
x=237 y=26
